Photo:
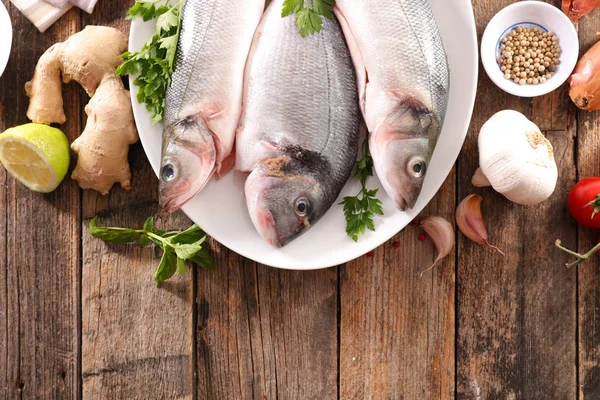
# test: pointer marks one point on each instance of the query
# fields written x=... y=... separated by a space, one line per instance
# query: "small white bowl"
x=529 y=14
x=5 y=37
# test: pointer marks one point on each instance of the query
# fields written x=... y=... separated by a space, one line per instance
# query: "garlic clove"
x=441 y=233
x=470 y=221
x=516 y=158
x=479 y=179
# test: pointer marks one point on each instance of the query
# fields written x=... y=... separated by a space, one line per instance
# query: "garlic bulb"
x=516 y=159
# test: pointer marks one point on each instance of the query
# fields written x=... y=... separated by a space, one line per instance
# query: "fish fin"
x=269 y=146
x=362 y=76
x=212 y=112
x=226 y=165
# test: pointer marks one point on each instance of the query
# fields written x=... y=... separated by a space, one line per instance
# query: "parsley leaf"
x=324 y=7
x=178 y=247
x=167 y=21
x=360 y=210
x=154 y=62
x=309 y=20
x=167 y=267
x=290 y=7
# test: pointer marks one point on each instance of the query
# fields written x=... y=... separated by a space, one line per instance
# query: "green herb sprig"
x=178 y=246
x=155 y=61
x=309 y=20
x=361 y=209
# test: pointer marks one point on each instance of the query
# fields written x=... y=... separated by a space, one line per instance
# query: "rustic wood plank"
x=42 y=248
x=301 y=310
x=4 y=370
x=589 y=272
x=516 y=314
x=541 y=113
x=266 y=333
x=397 y=328
x=553 y=111
x=137 y=339
x=228 y=319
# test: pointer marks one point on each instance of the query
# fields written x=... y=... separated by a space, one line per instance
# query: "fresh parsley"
x=361 y=209
x=309 y=20
x=155 y=61
x=178 y=247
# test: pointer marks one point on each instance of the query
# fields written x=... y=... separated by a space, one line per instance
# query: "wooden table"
x=80 y=318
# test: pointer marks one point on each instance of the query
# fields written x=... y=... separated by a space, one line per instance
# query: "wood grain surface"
x=41 y=255
x=517 y=313
x=265 y=332
x=80 y=318
x=397 y=329
x=588 y=142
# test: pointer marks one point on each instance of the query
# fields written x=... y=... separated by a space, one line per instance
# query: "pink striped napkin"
x=44 y=13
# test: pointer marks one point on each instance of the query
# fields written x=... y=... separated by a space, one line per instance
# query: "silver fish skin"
x=204 y=102
x=403 y=80
x=299 y=130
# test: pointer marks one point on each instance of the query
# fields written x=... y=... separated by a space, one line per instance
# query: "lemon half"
x=36 y=155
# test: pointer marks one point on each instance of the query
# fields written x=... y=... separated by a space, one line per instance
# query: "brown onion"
x=585 y=81
x=576 y=9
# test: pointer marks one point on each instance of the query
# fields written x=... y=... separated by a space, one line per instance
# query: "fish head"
x=189 y=155
x=283 y=205
x=401 y=148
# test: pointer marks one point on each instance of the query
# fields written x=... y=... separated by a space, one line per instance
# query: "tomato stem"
x=580 y=257
x=596 y=204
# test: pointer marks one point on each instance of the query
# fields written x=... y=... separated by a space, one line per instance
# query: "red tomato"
x=584 y=202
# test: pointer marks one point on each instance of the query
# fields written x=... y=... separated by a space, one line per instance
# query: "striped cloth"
x=43 y=14
x=85 y=5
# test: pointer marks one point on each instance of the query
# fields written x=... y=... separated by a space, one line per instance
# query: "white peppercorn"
x=529 y=56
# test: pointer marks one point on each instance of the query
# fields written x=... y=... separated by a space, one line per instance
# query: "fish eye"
x=168 y=172
x=301 y=206
x=417 y=167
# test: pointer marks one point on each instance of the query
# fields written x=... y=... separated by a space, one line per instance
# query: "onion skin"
x=585 y=81
x=576 y=9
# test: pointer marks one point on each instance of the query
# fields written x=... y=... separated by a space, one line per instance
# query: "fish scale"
x=401 y=47
x=212 y=51
x=299 y=91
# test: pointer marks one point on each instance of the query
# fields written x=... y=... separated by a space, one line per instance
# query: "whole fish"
x=300 y=126
x=204 y=102
x=403 y=83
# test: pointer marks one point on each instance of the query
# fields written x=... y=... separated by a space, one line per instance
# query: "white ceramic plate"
x=5 y=37
x=220 y=209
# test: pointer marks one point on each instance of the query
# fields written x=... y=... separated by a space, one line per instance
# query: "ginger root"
x=103 y=146
x=85 y=58
x=90 y=58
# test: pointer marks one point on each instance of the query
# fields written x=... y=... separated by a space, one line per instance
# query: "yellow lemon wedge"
x=36 y=155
